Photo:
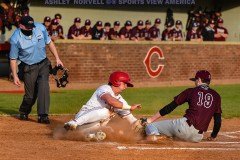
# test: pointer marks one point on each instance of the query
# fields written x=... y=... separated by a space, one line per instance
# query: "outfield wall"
x=91 y=62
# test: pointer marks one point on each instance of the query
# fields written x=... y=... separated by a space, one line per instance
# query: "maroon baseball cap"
x=99 y=24
x=158 y=20
x=54 y=22
x=47 y=19
x=169 y=24
x=87 y=22
x=77 y=20
x=203 y=74
x=128 y=23
x=211 y=21
x=107 y=24
x=178 y=22
x=147 y=22
x=28 y=22
x=116 y=23
x=140 y=23
x=58 y=16
x=220 y=20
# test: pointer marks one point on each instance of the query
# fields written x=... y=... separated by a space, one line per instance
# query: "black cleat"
x=23 y=117
x=43 y=119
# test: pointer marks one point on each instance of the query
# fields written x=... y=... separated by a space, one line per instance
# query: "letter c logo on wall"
x=147 y=62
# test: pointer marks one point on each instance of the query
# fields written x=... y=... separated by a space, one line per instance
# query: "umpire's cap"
x=203 y=74
x=28 y=22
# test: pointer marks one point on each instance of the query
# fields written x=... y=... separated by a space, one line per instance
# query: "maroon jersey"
x=125 y=32
x=85 y=32
x=154 y=32
x=136 y=32
x=177 y=33
x=73 y=30
x=113 y=33
x=58 y=32
x=54 y=32
x=220 y=30
x=193 y=35
x=167 y=34
x=146 y=34
x=203 y=103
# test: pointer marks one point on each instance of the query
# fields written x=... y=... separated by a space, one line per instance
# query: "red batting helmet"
x=118 y=76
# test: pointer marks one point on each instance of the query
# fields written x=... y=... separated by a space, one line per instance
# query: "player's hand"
x=16 y=81
x=136 y=106
x=59 y=62
x=210 y=139
x=144 y=121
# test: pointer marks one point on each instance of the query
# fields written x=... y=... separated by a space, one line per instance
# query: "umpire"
x=28 y=44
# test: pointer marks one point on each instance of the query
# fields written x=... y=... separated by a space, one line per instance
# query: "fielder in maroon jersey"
x=58 y=17
x=221 y=32
x=106 y=30
x=154 y=31
x=125 y=32
x=54 y=31
x=194 y=34
x=74 y=30
x=47 y=23
x=146 y=30
x=204 y=103
x=177 y=31
x=113 y=33
x=86 y=31
x=167 y=34
x=137 y=32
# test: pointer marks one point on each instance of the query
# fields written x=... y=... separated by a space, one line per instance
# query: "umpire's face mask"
x=26 y=32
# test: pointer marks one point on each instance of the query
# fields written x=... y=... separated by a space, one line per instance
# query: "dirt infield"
x=30 y=140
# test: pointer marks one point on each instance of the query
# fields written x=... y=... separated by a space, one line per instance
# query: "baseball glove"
x=139 y=126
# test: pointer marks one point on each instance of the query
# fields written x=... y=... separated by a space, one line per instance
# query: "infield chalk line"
x=221 y=142
x=175 y=148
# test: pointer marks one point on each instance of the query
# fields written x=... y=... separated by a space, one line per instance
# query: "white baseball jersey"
x=95 y=101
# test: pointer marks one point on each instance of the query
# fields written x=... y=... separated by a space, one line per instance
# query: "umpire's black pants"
x=36 y=83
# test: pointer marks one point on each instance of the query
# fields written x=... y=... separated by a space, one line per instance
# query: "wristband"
x=126 y=107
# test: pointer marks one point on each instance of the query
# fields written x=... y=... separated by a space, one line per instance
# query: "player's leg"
x=85 y=116
x=160 y=128
x=185 y=132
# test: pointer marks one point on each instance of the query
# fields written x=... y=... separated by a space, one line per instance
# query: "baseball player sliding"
x=204 y=103
x=105 y=102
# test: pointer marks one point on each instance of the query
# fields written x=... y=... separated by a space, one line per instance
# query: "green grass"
x=152 y=99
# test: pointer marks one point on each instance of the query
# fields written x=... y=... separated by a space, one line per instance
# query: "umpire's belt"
x=38 y=63
x=189 y=123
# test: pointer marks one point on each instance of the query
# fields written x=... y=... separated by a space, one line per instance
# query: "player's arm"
x=216 y=127
x=110 y=100
x=165 y=110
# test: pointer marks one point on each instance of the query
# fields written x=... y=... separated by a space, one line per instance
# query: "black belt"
x=38 y=63
x=189 y=123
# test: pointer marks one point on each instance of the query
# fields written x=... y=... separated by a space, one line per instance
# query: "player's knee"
x=151 y=130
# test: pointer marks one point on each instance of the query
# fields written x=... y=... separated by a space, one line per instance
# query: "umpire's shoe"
x=23 y=117
x=43 y=119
